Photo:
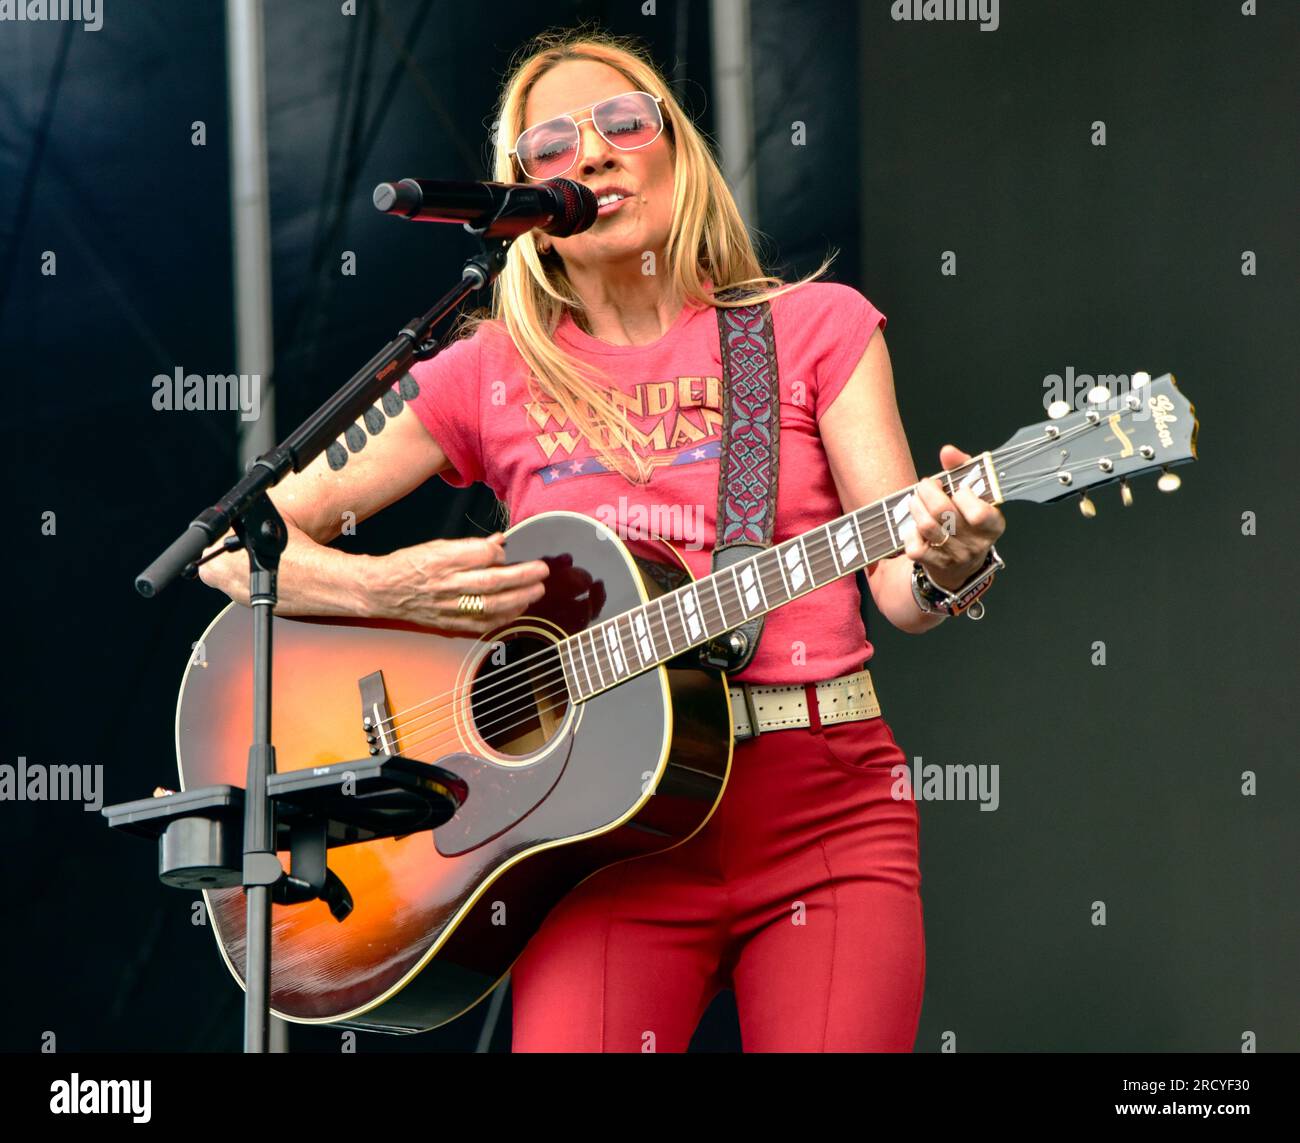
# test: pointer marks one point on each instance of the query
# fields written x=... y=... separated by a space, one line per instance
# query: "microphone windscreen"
x=576 y=208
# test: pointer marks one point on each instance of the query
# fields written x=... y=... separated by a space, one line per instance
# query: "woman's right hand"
x=422 y=584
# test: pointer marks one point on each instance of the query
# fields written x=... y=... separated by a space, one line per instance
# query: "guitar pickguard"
x=511 y=793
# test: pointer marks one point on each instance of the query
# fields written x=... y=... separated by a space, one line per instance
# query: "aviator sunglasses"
x=629 y=122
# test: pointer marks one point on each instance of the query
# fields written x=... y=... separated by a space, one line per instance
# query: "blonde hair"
x=707 y=239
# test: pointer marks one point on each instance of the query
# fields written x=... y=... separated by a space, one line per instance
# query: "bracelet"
x=935 y=600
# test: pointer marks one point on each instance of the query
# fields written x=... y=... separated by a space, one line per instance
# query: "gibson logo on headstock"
x=1162 y=412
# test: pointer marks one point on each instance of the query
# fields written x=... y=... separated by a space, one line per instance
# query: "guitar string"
x=530 y=679
x=513 y=717
x=512 y=671
x=529 y=709
x=533 y=679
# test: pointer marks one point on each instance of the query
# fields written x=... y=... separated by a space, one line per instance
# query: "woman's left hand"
x=971 y=525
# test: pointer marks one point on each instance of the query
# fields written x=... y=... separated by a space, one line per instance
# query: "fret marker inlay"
x=974 y=480
x=844 y=541
x=794 y=562
x=690 y=615
x=643 y=640
x=615 y=652
x=903 y=518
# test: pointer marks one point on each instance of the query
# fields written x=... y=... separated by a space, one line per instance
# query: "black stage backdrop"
x=1132 y=682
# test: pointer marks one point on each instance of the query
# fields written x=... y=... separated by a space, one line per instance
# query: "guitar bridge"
x=376 y=718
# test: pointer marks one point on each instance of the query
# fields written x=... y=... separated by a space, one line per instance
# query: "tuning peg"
x=1168 y=481
x=1098 y=395
x=1141 y=378
x=1125 y=494
x=1057 y=409
x=1086 y=506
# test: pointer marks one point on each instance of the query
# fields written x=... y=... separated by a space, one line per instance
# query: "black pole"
x=265 y=536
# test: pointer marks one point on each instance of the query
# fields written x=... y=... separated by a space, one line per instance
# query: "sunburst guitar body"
x=557 y=789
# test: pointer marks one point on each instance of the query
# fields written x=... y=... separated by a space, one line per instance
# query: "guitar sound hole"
x=518 y=699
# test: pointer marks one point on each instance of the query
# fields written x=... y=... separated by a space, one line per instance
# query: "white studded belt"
x=755 y=709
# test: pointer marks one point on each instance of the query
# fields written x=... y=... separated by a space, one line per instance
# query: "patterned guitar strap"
x=748 y=464
x=747 y=467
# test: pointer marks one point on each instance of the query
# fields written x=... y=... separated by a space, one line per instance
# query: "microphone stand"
x=249 y=511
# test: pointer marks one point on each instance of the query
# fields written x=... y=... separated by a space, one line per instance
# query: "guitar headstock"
x=1152 y=426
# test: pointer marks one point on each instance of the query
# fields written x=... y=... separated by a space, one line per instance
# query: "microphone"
x=558 y=207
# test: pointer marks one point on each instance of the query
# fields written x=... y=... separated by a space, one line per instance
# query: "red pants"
x=801 y=893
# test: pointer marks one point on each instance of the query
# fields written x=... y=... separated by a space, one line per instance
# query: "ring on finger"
x=946 y=537
x=470 y=605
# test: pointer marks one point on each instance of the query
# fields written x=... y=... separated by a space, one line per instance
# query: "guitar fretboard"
x=610 y=652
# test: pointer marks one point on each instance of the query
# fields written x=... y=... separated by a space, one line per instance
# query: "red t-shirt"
x=475 y=401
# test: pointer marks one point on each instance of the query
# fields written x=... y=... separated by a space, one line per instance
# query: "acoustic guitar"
x=585 y=732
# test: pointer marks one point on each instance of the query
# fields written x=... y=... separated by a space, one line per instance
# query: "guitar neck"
x=612 y=651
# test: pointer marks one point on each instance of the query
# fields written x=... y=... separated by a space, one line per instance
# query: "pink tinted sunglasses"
x=629 y=122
